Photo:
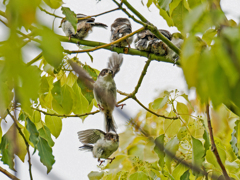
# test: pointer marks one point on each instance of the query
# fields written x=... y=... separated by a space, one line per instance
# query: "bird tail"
x=110 y=124
x=86 y=147
x=99 y=24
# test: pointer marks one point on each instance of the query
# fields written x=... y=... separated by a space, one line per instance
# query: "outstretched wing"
x=90 y=136
x=82 y=74
x=115 y=62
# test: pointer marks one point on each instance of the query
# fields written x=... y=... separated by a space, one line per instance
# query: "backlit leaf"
x=70 y=16
x=54 y=124
x=138 y=176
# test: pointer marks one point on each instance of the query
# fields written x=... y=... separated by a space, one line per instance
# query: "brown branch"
x=25 y=140
x=4 y=171
x=106 y=45
x=158 y=115
x=214 y=148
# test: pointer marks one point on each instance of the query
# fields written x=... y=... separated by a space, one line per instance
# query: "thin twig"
x=35 y=59
x=147 y=25
x=123 y=50
x=25 y=140
x=50 y=13
x=11 y=176
x=214 y=148
x=158 y=115
x=106 y=45
x=65 y=115
x=105 y=12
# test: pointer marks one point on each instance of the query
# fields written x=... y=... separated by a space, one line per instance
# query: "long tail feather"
x=86 y=147
x=110 y=124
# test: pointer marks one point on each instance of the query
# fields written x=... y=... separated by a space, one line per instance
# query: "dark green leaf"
x=185 y=176
x=7 y=152
x=34 y=134
x=45 y=133
x=45 y=153
x=207 y=142
x=198 y=152
x=70 y=16
x=161 y=154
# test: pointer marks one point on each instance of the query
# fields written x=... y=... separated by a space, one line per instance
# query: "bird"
x=101 y=144
x=104 y=88
x=121 y=27
x=177 y=40
x=83 y=27
x=147 y=41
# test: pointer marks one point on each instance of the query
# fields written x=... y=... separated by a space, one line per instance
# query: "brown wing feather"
x=90 y=136
x=115 y=62
x=82 y=74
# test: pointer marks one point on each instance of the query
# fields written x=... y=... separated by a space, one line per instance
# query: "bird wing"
x=115 y=62
x=82 y=74
x=90 y=136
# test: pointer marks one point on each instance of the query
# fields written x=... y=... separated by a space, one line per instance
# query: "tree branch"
x=4 y=171
x=148 y=25
x=214 y=148
x=34 y=60
x=25 y=140
x=108 y=45
x=51 y=14
x=123 y=50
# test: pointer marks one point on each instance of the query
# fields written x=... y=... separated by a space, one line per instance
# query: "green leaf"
x=51 y=47
x=149 y=3
x=45 y=153
x=207 y=141
x=54 y=124
x=178 y=171
x=5 y=97
x=208 y=36
x=95 y=175
x=36 y=116
x=45 y=133
x=159 y=102
x=164 y=4
x=182 y=110
x=54 y=4
x=178 y=16
x=235 y=141
x=90 y=56
x=34 y=134
x=138 y=176
x=161 y=154
x=171 y=127
x=185 y=176
x=6 y=148
x=186 y=98
x=165 y=15
x=198 y=152
x=80 y=103
x=70 y=16
x=71 y=79
x=62 y=98
x=171 y=146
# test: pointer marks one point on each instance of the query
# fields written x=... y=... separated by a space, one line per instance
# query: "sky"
x=70 y=162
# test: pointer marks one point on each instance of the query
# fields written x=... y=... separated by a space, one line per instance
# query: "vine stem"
x=214 y=148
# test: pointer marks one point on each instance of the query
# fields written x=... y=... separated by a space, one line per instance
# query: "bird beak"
x=110 y=72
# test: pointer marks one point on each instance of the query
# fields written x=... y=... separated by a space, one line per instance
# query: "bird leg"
x=118 y=105
x=111 y=159
x=69 y=38
x=128 y=44
x=100 y=107
x=101 y=161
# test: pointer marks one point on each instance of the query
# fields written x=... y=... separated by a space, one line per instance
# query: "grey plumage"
x=104 y=88
x=104 y=144
x=147 y=41
x=121 y=27
x=83 y=27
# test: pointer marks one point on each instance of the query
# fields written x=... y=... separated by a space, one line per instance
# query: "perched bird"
x=147 y=41
x=104 y=88
x=83 y=27
x=177 y=40
x=121 y=27
x=101 y=144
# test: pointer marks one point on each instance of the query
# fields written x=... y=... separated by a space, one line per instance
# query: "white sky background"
x=70 y=162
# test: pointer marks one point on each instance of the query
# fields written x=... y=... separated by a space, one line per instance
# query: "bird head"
x=107 y=74
x=112 y=137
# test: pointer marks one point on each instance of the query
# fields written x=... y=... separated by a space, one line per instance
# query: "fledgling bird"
x=101 y=144
x=83 y=27
x=177 y=40
x=121 y=27
x=147 y=41
x=104 y=88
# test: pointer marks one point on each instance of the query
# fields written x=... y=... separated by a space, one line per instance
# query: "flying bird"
x=101 y=144
x=121 y=27
x=104 y=88
x=83 y=27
